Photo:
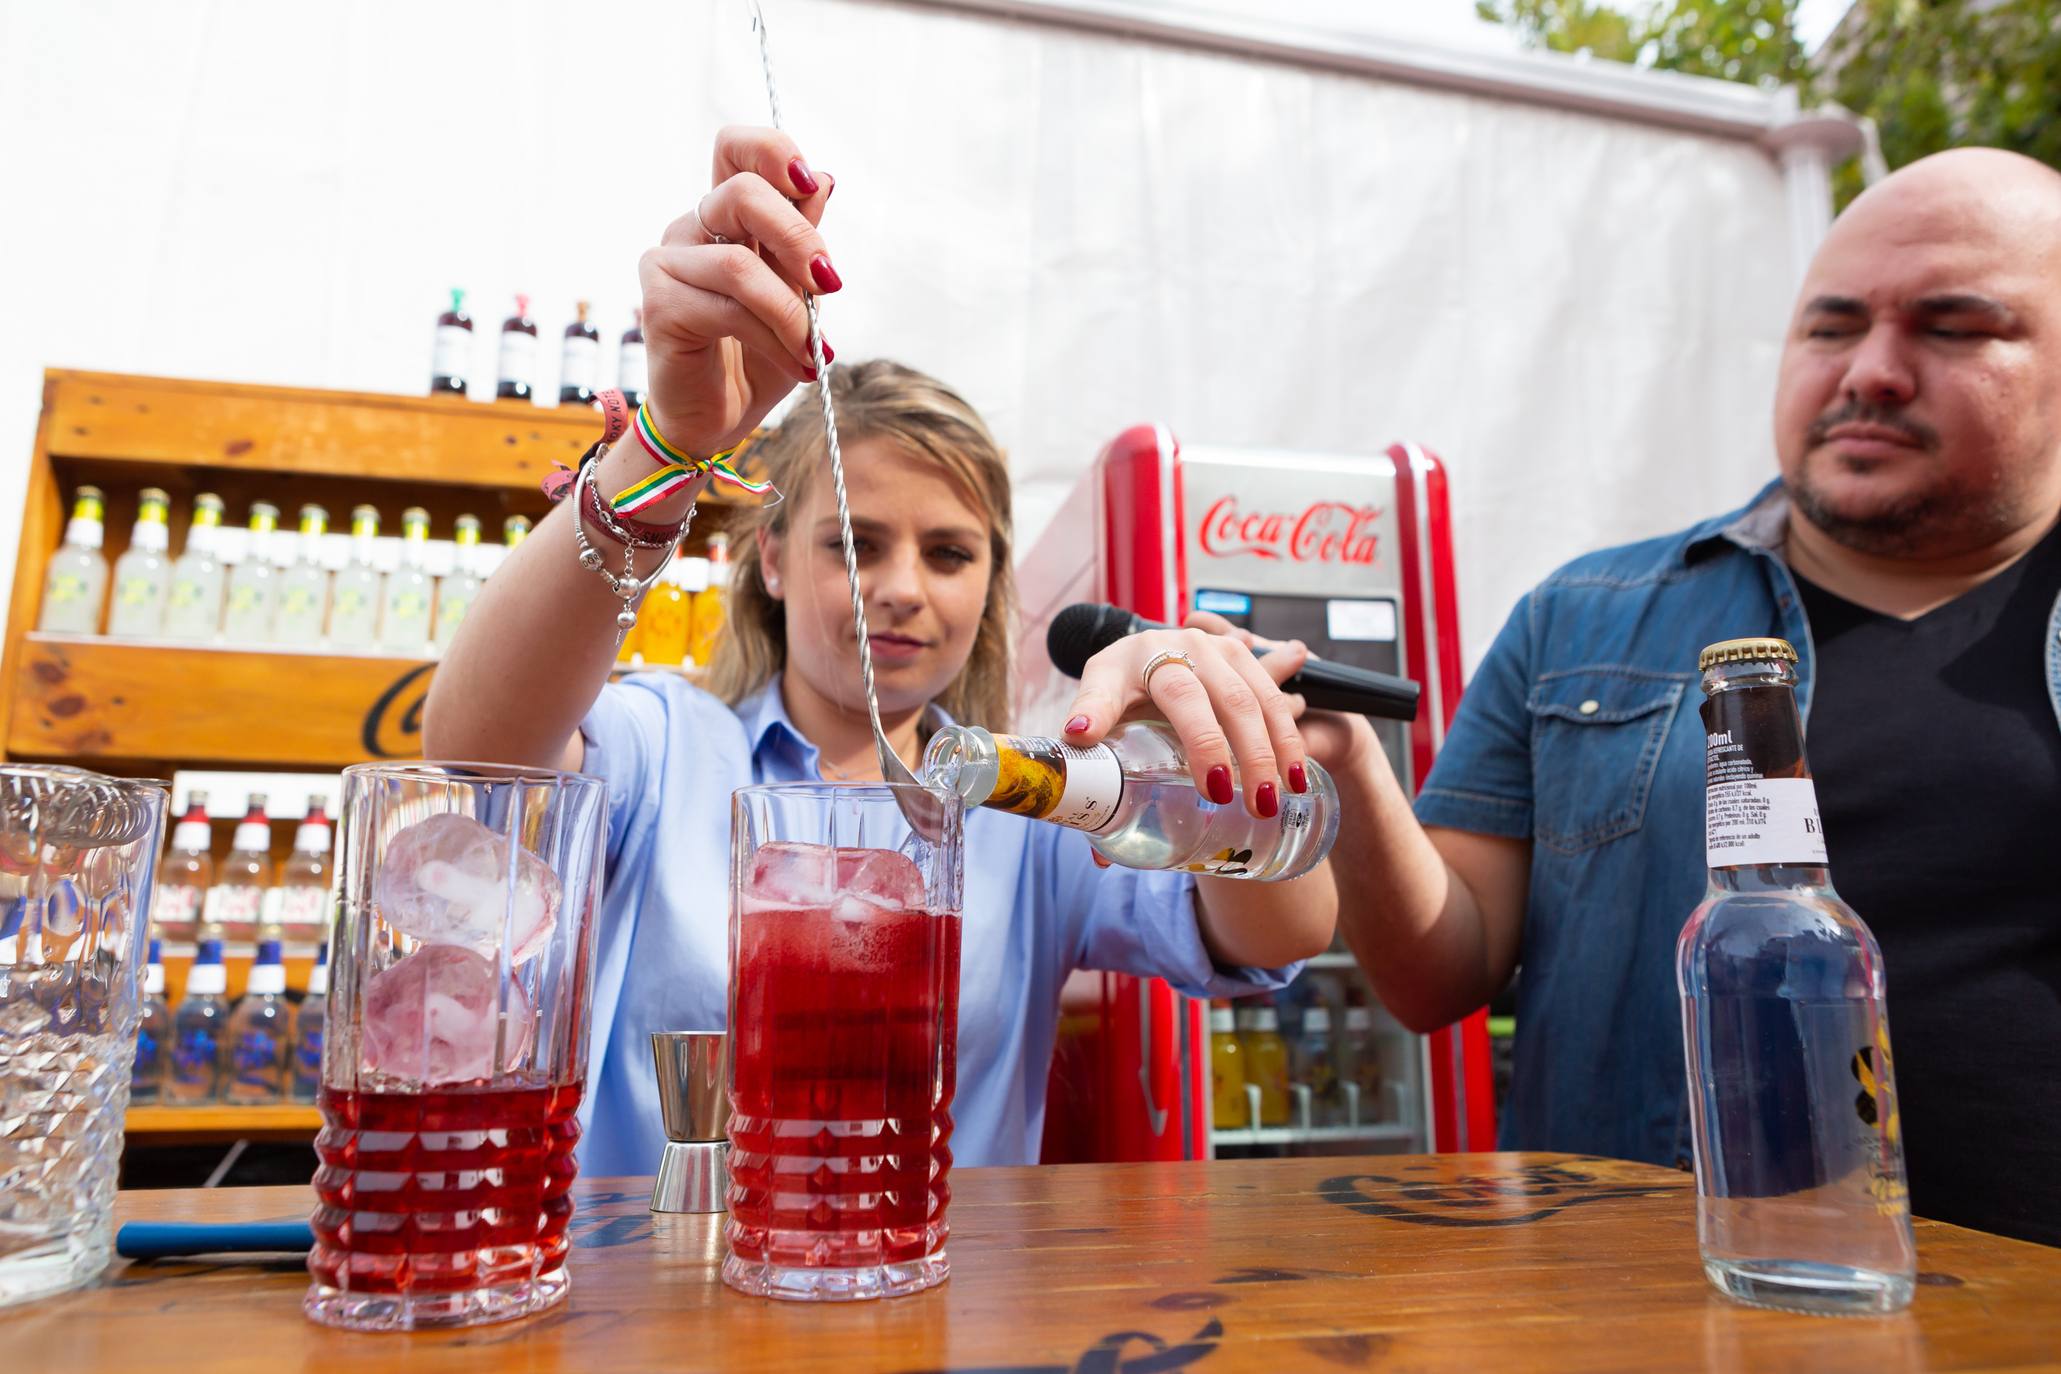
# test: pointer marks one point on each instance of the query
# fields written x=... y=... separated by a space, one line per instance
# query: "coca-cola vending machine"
x=1352 y=554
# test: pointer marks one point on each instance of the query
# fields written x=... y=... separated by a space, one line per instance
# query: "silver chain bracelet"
x=626 y=584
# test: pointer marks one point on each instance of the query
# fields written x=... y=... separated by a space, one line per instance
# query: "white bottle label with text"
x=518 y=355
x=1763 y=821
x=576 y=363
x=454 y=347
x=1094 y=785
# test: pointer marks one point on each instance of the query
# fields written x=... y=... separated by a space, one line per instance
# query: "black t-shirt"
x=1938 y=762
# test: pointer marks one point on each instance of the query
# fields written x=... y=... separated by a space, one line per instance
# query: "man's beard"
x=1913 y=524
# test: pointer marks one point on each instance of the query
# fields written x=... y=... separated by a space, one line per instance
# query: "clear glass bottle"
x=1313 y=1067
x=253 y=582
x=304 y=585
x=458 y=588
x=1226 y=1072
x=579 y=363
x=630 y=366
x=236 y=903
x=75 y=579
x=300 y=911
x=260 y=1033
x=711 y=603
x=198 y=1028
x=1266 y=1061
x=518 y=357
x=153 y=1032
x=1133 y=794
x=193 y=609
x=410 y=590
x=354 y=598
x=308 y=1025
x=143 y=574
x=451 y=359
x=514 y=530
x=1801 y=1198
x=183 y=879
x=1360 y=1077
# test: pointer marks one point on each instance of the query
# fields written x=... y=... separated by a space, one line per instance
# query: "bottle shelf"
x=201 y=1122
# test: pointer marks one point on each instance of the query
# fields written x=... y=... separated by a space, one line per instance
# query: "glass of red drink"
x=461 y=965
x=844 y=1018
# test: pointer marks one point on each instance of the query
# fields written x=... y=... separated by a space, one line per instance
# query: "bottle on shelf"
x=1134 y=796
x=580 y=361
x=711 y=602
x=630 y=368
x=1227 y=1110
x=354 y=597
x=452 y=358
x=153 y=1032
x=518 y=356
x=1266 y=1061
x=308 y=1025
x=237 y=900
x=253 y=582
x=198 y=1027
x=304 y=585
x=193 y=608
x=1359 y=1067
x=1313 y=1067
x=663 y=620
x=1800 y=1190
x=299 y=909
x=514 y=530
x=185 y=876
x=143 y=574
x=75 y=579
x=260 y=1033
x=404 y=614
x=458 y=588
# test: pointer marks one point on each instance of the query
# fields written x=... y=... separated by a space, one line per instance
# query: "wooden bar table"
x=1493 y=1263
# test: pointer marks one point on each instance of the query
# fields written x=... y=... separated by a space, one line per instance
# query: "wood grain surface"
x=1502 y=1263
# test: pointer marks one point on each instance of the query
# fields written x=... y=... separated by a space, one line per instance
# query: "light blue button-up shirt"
x=1036 y=908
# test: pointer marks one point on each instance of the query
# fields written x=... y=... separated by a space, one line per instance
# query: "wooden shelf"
x=158 y=1124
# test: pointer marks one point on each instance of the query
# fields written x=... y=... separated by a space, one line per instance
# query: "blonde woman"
x=526 y=681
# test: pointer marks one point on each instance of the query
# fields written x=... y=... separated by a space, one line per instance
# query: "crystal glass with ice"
x=77 y=854
x=455 y=1052
x=844 y=1017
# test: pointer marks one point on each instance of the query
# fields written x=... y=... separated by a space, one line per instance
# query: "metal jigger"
x=694 y=1098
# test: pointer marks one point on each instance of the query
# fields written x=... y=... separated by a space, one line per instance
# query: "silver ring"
x=699 y=223
x=1160 y=660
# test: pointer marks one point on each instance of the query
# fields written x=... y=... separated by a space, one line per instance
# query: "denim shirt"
x=1580 y=733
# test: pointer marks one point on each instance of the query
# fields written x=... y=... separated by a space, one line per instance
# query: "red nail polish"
x=1076 y=725
x=1298 y=780
x=829 y=353
x=804 y=180
x=1218 y=785
x=1265 y=799
x=825 y=275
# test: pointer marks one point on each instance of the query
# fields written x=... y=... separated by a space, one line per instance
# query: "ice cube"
x=816 y=876
x=444 y=880
x=882 y=877
x=431 y=1018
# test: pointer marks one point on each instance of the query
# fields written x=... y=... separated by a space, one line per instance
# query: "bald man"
x=1909 y=551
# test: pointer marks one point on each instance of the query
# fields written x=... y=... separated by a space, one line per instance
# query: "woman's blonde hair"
x=929 y=422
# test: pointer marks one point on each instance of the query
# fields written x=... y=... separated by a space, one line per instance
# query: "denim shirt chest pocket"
x=1596 y=737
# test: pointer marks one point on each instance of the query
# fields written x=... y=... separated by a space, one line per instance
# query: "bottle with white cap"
x=237 y=900
x=297 y=911
x=193 y=607
x=306 y=1067
x=186 y=875
x=197 y=1029
x=75 y=580
x=254 y=583
x=143 y=574
x=457 y=588
x=304 y=585
x=259 y=1032
x=153 y=1031
x=355 y=594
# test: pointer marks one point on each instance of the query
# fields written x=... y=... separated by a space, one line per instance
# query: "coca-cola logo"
x=1325 y=532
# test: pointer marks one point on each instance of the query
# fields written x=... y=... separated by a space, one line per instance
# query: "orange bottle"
x=711 y=602
x=662 y=623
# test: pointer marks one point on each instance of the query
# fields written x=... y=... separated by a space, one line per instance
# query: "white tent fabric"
x=1079 y=229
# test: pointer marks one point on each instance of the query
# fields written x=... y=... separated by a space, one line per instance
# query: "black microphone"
x=1086 y=628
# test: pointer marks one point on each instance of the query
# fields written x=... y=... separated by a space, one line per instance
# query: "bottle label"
x=453 y=344
x=1750 y=819
x=191 y=836
x=518 y=355
x=301 y=907
x=175 y=905
x=1042 y=778
x=576 y=363
x=630 y=369
x=237 y=904
x=311 y=838
x=253 y=835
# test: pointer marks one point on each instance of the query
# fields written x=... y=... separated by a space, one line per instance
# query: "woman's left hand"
x=1224 y=702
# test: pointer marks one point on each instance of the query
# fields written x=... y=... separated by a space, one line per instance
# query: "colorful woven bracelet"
x=679 y=470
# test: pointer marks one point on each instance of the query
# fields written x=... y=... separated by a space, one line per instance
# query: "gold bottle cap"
x=1745 y=651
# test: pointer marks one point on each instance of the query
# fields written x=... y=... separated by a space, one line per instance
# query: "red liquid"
x=442 y=1191
x=844 y=1053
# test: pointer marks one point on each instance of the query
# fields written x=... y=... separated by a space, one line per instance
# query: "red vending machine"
x=1353 y=556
